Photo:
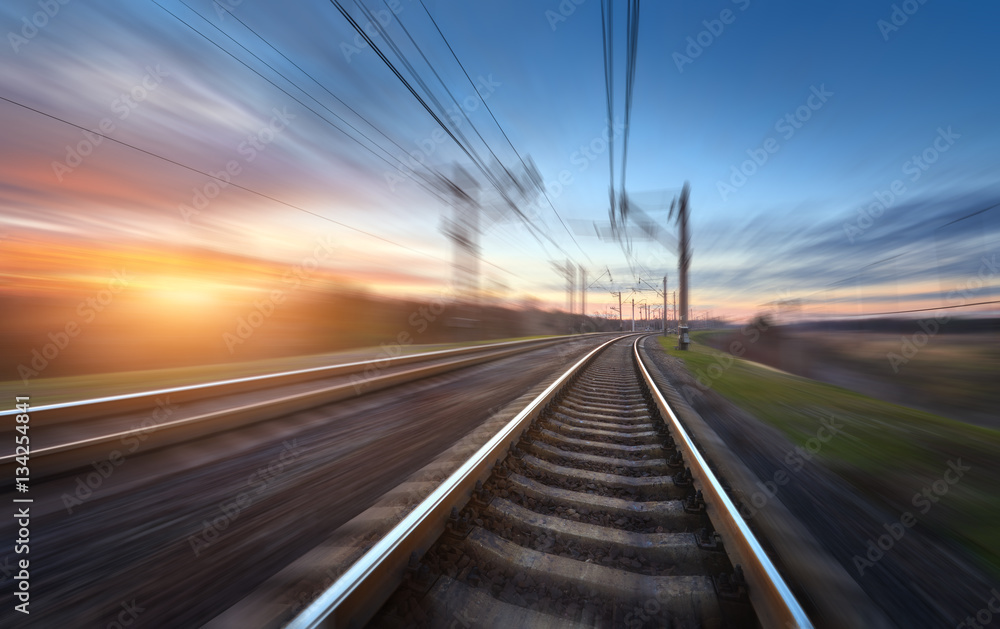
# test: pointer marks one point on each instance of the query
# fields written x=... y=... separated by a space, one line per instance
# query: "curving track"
x=593 y=518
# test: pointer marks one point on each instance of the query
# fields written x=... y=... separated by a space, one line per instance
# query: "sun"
x=191 y=291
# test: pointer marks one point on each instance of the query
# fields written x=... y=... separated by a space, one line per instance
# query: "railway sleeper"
x=676 y=553
x=542 y=448
x=591 y=520
x=647 y=486
x=613 y=426
x=613 y=436
x=646 y=517
x=641 y=450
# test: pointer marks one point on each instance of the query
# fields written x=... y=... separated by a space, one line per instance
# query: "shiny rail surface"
x=587 y=509
x=774 y=602
x=127 y=401
x=208 y=411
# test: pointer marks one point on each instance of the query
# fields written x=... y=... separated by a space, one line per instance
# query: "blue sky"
x=888 y=95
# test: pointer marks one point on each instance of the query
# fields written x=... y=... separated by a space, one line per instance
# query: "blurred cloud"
x=783 y=231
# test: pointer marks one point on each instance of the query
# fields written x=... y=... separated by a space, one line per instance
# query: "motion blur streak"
x=799 y=201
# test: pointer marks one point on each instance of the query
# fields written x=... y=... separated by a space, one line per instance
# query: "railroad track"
x=71 y=434
x=592 y=508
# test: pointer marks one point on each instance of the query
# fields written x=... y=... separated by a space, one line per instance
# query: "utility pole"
x=571 y=280
x=583 y=291
x=633 y=314
x=621 y=320
x=463 y=230
x=664 y=305
x=683 y=262
x=675 y=308
x=569 y=274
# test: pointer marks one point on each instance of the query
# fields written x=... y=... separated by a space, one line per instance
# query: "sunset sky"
x=841 y=104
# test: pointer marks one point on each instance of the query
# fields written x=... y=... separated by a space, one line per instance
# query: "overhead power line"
x=217 y=178
x=286 y=93
x=318 y=83
x=971 y=215
x=500 y=127
x=630 y=65
x=468 y=150
x=874 y=314
x=607 y=38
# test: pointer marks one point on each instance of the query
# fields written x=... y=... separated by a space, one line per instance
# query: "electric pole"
x=633 y=314
x=463 y=230
x=683 y=262
x=675 y=307
x=583 y=291
x=569 y=274
x=664 y=305
x=621 y=321
x=571 y=280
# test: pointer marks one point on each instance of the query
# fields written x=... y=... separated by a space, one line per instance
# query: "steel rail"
x=66 y=456
x=773 y=601
x=101 y=405
x=355 y=597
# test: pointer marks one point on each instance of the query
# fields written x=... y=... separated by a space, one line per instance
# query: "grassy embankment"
x=888 y=452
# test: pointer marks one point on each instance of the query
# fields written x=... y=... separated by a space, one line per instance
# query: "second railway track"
x=593 y=518
x=72 y=434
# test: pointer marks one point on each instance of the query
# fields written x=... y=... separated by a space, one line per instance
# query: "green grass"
x=886 y=451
